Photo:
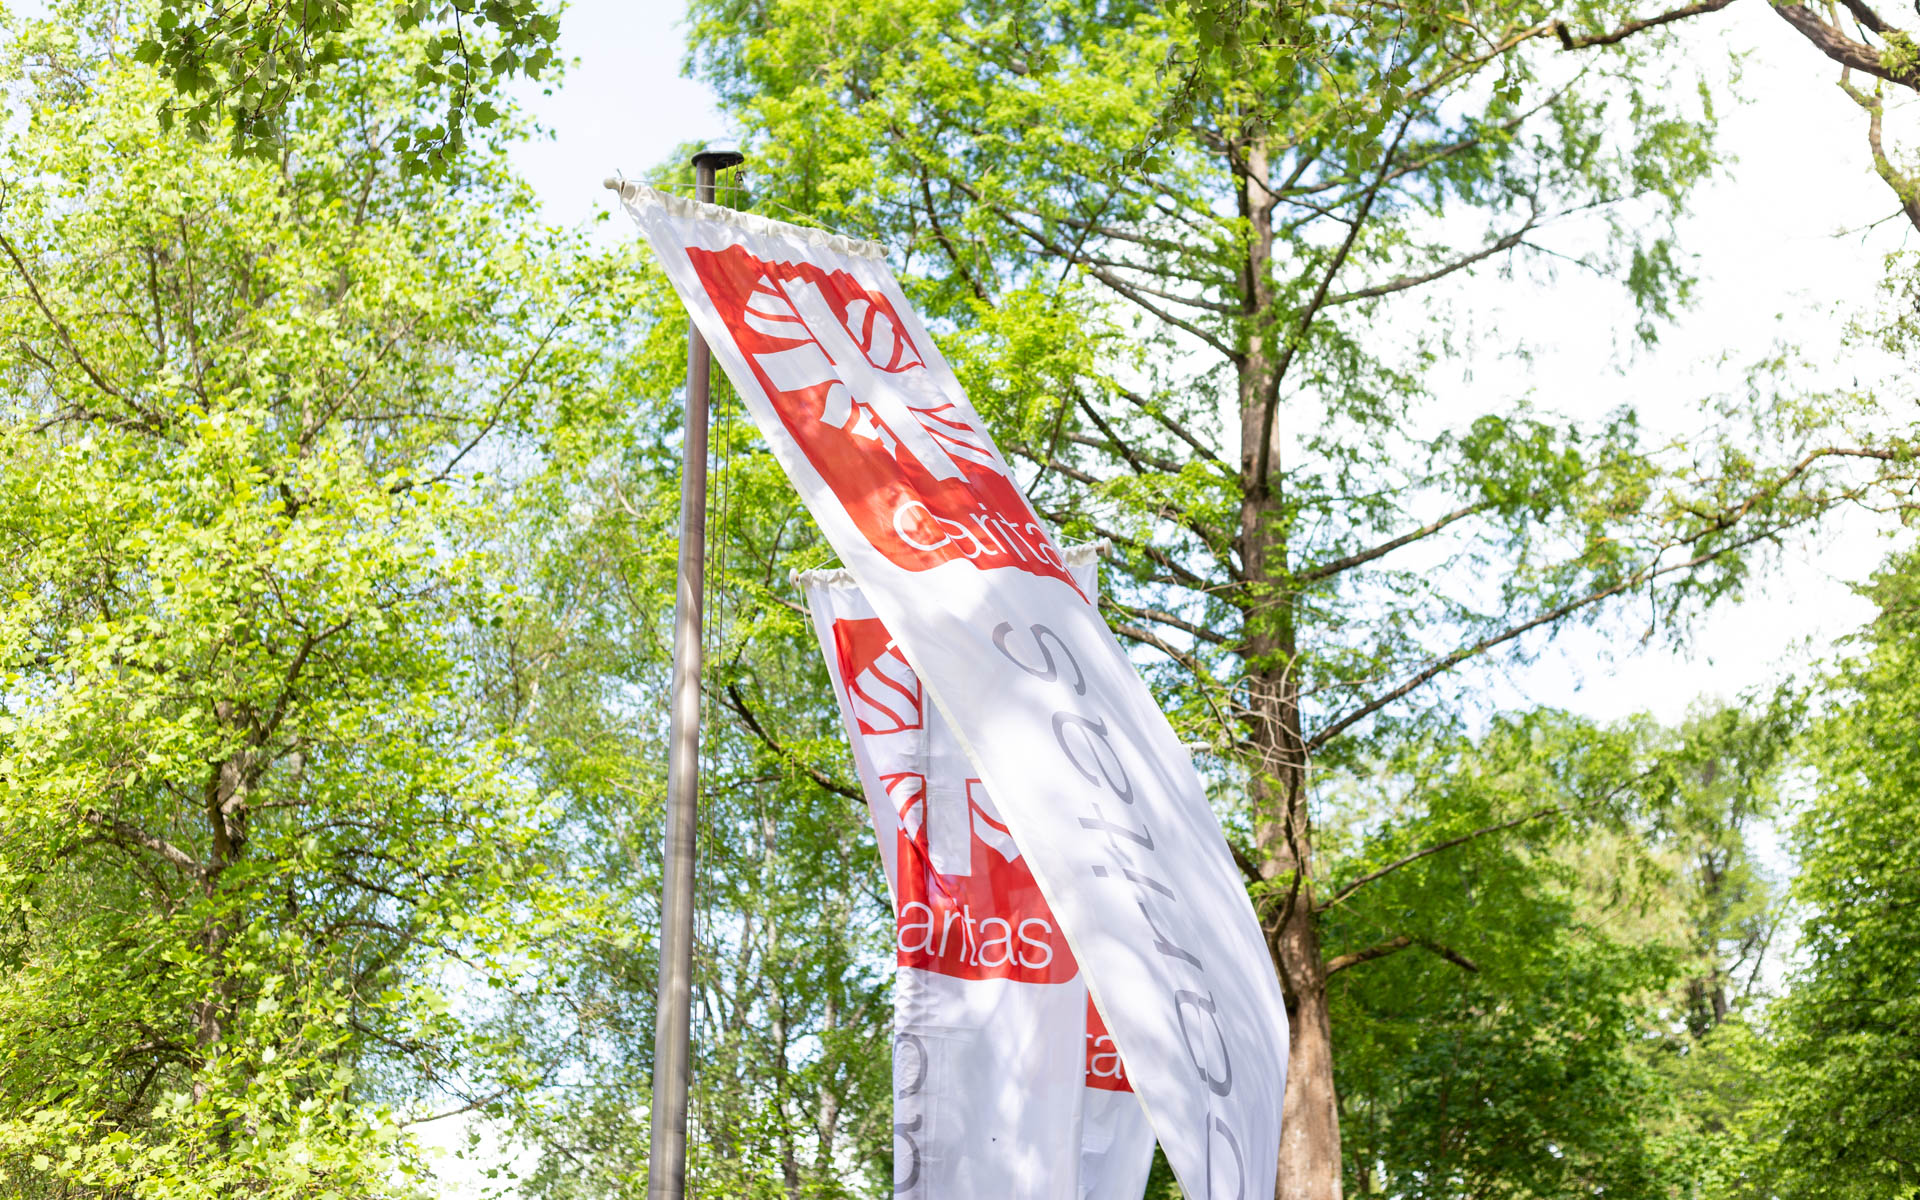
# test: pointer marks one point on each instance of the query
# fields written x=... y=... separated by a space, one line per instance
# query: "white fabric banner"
x=998 y=1051
x=871 y=426
x=1116 y=1142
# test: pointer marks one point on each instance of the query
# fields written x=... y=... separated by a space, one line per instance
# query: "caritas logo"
x=969 y=906
x=983 y=918
x=918 y=477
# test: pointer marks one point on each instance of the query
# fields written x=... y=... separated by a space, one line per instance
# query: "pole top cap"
x=718 y=158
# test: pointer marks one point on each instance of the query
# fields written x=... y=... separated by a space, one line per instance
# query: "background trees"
x=1185 y=259
x=1839 y=1120
x=268 y=856
x=338 y=509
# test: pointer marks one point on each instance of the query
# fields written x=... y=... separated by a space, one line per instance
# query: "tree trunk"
x=1309 y=1167
x=1310 y=1117
x=226 y=807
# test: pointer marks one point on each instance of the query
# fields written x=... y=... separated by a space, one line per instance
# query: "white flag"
x=998 y=1051
x=1116 y=1142
x=1095 y=789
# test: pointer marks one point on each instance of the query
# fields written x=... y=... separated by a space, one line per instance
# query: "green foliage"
x=1195 y=264
x=1539 y=1065
x=1128 y=331
x=271 y=866
x=247 y=68
x=792 y=1076
x=1843 y=1115
x=338 y=524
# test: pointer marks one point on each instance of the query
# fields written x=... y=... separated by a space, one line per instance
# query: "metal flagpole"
x=667 y=1154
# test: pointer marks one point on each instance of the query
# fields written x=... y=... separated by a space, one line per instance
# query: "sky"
x=622 y=107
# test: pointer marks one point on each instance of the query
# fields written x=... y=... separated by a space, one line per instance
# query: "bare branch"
x=1843 y=49
x=121 y=833
x=1147 y=637
x=1341 y=962
x=1313 y=574
x=1646 y=574
x=738 y=704
x=1867 y=17
x=1404 y=282
x=1158 y=556
x=1270 y=403
x=1141 y=463
x=946 y=244
x=1570 y=41
x=59 y=327
x=1162 y=617
x=1903 y=186
x=1429 y=851
x=1176 y=429
x=1393 y=946
x=1449 y=661
x=1069 y=254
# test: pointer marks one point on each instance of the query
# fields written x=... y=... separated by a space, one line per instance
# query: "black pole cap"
x=718 y=159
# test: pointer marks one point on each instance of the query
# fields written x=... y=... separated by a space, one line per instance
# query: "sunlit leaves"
x=266 y=835
x=246 y=67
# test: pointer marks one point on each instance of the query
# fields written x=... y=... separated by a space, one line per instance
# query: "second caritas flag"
x=1006 y=1082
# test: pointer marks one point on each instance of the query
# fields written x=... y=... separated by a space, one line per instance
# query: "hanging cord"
x=713 y=639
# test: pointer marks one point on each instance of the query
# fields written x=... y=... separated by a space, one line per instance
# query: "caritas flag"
x=1090 y=782
x=1006 y=1083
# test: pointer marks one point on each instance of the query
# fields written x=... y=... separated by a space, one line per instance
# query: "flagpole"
x=667 y=1153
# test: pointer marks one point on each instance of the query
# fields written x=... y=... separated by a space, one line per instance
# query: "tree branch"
x=738 y=704
x=1903 y=187
x=1314 y=574
x=1104 y=276
x=1270 y=403
x=1402 y=283
x=59 y=327
x=1147 y=637
x=1569 y=41
x=1449 y=661
x=1646 y=574
x=1429 y=851
x=1843 y=49
x=1159 y=557
x=1867 y=17
x=1176 y=429
x=1161 y=617
x=946 y=245
x=121 y=833
x=1393 y=946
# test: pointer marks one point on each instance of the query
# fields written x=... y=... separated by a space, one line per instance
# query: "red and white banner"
x=1006 y=1083
x=1116 y=1140
x=1092 y=785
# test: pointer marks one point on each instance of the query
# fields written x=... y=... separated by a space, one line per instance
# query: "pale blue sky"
x=622 y=107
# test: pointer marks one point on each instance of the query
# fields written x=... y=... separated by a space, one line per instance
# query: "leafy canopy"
x=247 y=67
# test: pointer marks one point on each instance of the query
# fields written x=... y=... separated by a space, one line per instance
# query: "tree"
x=1524 y=1069
x=247 y=68
x=262 y=843
x=1724 y=771
x=1193 y=274
x=1840 y=1115
x=791 y=1086
x=1859 y=39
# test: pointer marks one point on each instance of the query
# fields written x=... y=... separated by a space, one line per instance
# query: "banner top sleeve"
x=633 y=194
